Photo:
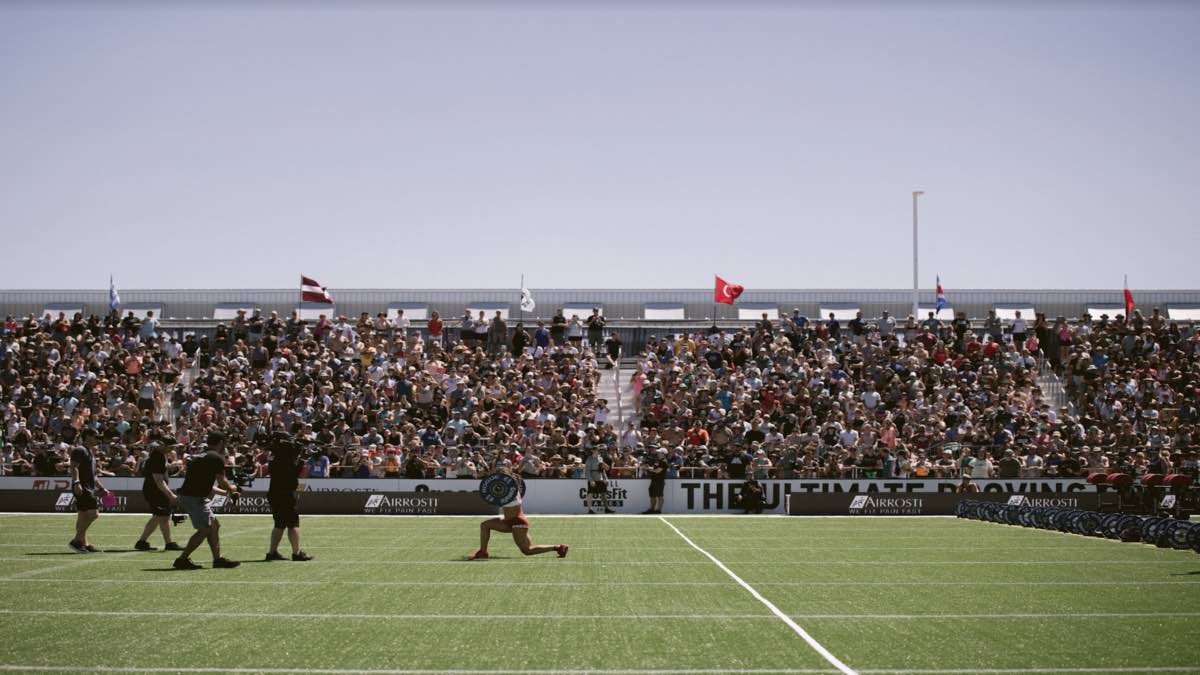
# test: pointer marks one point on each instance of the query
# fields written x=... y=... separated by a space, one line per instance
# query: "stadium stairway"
x=614 y=387
x=1053 y=392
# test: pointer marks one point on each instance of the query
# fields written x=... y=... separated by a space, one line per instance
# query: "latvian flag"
x=311 y=291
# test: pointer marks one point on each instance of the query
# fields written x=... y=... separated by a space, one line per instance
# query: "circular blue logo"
x=499 y=489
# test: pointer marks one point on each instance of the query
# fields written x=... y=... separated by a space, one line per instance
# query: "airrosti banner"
x=570 y=496
x=923 y=503
x=425 y=503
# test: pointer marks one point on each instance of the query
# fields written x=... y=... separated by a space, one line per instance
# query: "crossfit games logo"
x=616 y=497
x=869 y=505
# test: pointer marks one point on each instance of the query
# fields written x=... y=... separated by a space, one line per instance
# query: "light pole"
x=916 y=297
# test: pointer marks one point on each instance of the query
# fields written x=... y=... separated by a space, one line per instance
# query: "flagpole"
x=916 y=292
x=714 y=308
x=521 y=302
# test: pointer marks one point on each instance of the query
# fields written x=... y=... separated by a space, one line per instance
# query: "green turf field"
x=395 y=595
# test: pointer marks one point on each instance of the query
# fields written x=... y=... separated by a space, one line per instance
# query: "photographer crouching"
x=286 y=459
x=203 y=471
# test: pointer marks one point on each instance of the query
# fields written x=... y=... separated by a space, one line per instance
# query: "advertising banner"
x=426 y=503
x=923 y=504
x=567 y=496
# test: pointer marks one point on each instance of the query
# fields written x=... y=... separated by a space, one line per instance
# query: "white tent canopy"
x=68 y=309
x=312 y=311
x=663 y=311
x=413 y=311
x=140 y=309
x=1183 y=312
x=582 y=309
x=489 y=309
x=755 y=310
x=946 y=313
x=1008 y=311
x=842 y=311
x=228 y=311
x=1111 y=309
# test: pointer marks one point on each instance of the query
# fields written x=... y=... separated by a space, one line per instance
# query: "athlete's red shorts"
x=519 y=521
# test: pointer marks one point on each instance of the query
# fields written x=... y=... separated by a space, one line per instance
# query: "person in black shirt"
x=285 y=481
x=202 y=471
x=84 y=485
x=658 y=480
x=751 y=495
x=595 y=329
x=159 y=496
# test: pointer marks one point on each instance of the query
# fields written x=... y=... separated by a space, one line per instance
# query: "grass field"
x=395 y=595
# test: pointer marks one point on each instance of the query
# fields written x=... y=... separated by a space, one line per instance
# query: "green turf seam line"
x=812 y=642
x=1188 y=560
x=374 y=617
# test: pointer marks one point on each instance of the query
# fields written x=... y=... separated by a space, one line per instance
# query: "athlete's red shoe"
x=561 y=550
x=478 y=555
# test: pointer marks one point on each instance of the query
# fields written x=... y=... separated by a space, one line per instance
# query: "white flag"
x=114 y=298
x=527 y=303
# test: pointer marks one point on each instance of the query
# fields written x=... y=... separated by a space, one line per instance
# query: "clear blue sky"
x=622 y=146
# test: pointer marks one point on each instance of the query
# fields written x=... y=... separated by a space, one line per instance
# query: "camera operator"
x=202 y=471
x=286 y=459
x=752 y=495
x=159 y=496
x=657 y=468
x=597 y=476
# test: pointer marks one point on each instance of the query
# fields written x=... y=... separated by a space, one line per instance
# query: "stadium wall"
x=617 y=303
x=696 y=496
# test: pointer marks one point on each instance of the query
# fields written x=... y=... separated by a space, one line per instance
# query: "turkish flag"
x=726 y=292
x=1129 y=304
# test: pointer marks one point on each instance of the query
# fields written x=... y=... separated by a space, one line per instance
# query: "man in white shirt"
x=402 y=325
x=887 y=324
x=1033 y=465
x=982 y=467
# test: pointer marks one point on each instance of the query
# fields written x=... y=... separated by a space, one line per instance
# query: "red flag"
x=726 y=292
x=311 y=291
x=1129 y=304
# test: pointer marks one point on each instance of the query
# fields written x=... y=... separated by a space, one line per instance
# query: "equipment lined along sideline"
x=817 y=646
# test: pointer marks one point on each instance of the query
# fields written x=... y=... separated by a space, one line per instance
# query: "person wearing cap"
x=159 y=497
x=657 y=471
x=85 y=484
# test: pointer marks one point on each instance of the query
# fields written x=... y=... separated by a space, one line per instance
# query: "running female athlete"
x=512 y=520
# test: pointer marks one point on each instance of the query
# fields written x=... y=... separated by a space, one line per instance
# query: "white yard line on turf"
x=184 y=580
x=817 y=646
x=390 y=671
x=588 y=671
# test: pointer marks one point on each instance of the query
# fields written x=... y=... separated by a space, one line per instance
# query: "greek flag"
x=114 y=298
x=527 y=303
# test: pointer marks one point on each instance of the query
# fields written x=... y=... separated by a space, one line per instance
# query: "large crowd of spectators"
x=789 y=398
x=877 y=399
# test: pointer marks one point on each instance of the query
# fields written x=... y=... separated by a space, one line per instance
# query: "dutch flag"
x=941 y=296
